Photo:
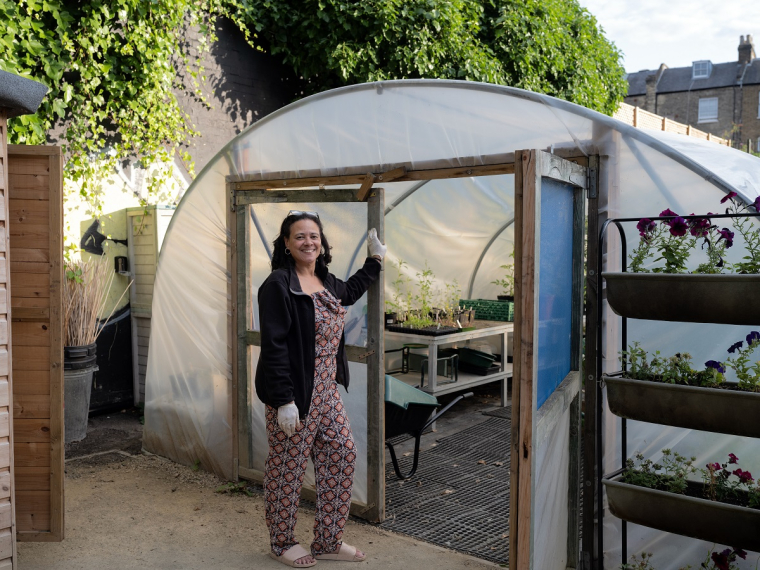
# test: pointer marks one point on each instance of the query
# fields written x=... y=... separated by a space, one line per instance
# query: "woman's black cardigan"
x=285 y=372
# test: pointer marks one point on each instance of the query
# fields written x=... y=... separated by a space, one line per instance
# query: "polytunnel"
x=458 y=176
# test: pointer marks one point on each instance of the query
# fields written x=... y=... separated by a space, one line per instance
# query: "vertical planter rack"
x=694 y=298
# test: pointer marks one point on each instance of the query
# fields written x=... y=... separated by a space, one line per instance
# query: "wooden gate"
x=34 y=210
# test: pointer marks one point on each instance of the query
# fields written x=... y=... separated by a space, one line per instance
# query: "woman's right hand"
x=287 y=418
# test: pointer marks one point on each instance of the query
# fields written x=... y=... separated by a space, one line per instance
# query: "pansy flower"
x=727 y=197
x=734 y=347
x=716 y=365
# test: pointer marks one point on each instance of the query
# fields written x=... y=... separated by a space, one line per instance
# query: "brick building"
x=719 y=98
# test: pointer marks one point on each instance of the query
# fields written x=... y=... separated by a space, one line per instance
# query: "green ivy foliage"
x=549 y=46
x=111 y=67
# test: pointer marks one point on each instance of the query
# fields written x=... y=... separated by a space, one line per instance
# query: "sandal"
x=347 y=553
x=289 y=557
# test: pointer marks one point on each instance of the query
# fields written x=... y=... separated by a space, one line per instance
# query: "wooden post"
x=526 y=189
x=590 y=372
x=635 y=116
x=376 y=373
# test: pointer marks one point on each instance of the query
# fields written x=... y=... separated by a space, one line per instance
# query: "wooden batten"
x=35 y=259
x=7 y=467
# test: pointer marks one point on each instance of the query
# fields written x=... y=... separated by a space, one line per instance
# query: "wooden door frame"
x=372 y=354
x=532 y=166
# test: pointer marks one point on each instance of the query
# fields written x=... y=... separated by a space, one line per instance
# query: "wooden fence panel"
x=35 y=234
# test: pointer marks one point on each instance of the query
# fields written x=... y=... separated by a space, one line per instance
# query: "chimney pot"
x=746 y=49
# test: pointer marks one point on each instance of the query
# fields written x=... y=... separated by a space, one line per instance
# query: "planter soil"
x=724 y=299
x=721 y=410
x=712 y=521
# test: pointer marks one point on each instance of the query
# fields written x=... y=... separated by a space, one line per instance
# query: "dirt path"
x=126 y=512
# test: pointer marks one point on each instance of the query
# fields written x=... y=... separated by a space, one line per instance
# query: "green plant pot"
x=726 y=299
x=688 y=516
x=718 y=410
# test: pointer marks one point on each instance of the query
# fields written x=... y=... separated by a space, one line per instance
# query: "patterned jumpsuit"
x=325 y=435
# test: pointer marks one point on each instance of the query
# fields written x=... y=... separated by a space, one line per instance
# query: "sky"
x=676 y=32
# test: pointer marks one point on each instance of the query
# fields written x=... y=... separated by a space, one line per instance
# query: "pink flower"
x=744 y=476
x=713 y=466
x=732 y=458
x=727 y=197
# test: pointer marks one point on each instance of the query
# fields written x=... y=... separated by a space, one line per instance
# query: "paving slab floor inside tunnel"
x=459 y=496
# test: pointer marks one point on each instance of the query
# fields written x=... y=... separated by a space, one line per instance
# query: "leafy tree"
x=113 y=66
x=549 y=46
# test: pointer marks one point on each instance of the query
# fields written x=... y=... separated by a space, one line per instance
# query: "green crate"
x=490 y=310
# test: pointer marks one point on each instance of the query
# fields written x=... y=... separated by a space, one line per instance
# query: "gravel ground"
x=127 y=510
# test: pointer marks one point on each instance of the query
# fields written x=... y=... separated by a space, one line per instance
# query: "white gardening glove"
x=287 y=417
x=374 y=245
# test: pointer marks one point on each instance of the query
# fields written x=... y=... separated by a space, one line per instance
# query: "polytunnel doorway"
x=254 y=220
x=255 y=217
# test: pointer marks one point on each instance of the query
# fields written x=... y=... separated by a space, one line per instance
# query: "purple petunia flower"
x=678 y=226
x=727 y=235
x=667 y=212
x=753 y=337
x=756 y=203
x=717 y=365
x=740 y=553
x=645 y=226
x=713 y=466
x=698 y=227
x=727 y=197
x=734 y=347
x=744 y=476
x=721 y=559
x=732 y=458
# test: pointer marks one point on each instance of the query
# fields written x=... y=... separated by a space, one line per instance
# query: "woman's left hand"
x=376 y=249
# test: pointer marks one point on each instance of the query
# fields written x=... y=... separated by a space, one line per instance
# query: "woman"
x=303 y=359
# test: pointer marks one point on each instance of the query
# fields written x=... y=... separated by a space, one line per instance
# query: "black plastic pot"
x=510 y=298
x=725 y=299
x=79 y=357
x=712 y=521
x=390 y=319
x=721 y=410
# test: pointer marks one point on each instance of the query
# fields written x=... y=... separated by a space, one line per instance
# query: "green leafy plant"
x=670 y=474
x=676 y=369
x=747 y=372
x=749 y=229
x=396 y=303
x=507 y=283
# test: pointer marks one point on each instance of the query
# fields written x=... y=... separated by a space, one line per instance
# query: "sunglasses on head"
x=303 y=213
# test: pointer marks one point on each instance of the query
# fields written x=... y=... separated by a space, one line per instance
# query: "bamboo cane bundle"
x=85 y=295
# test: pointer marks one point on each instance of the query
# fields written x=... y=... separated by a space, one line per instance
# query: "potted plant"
x=724 y=507
x=716 y=292
x=670 y=391
x=87 y=284
x=507 y=283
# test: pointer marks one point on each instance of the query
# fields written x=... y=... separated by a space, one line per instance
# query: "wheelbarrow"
x=410 y=410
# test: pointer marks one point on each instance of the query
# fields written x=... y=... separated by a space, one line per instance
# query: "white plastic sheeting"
x=454 y=225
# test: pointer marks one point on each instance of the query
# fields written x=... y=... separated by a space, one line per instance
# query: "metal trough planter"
x=708 y=409
x=712 y=521
x=725 y=299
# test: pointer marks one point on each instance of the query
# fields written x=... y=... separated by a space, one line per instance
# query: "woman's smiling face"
x=304 y=242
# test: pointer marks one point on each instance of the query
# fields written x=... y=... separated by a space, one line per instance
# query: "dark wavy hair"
x=281 y=260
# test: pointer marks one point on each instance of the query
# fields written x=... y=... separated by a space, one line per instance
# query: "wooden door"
x=35 y=236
